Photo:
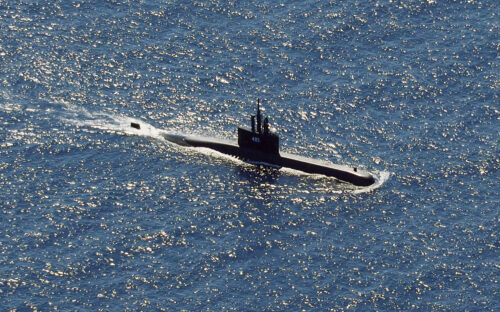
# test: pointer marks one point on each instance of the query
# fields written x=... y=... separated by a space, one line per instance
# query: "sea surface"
x=98 y=216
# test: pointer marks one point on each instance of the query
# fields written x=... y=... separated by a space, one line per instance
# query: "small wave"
x=219 y=155
x=221 y=80
x=380 y=178
x=298 y=173
x=263 y=163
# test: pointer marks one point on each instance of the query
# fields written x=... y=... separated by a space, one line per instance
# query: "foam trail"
x=71 y=113
x=121 y=124
x=81 y=117
x=213 y=153
x=380 y=178
x=298 y=173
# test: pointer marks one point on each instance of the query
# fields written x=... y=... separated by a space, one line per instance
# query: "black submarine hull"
x=340 y=172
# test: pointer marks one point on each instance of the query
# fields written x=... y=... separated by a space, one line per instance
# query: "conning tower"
x=258 y=139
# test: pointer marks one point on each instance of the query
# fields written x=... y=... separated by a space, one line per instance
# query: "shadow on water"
x=258 y=174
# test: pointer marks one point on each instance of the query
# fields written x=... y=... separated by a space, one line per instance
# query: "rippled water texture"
x=96 y=216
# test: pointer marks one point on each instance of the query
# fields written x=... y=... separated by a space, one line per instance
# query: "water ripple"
x=99 y=216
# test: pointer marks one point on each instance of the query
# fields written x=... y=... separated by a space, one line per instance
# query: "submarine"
x=260 y=145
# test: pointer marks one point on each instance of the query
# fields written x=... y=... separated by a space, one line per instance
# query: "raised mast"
x=259 y=121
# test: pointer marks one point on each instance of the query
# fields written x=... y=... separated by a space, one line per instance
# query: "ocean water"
x=97 y=216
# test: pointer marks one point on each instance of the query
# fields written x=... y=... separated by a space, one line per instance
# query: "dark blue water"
x=96 y=216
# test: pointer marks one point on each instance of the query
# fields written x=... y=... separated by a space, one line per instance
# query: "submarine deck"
x=308 y=165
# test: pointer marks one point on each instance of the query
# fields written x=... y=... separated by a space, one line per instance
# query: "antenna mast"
x=259 y=122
